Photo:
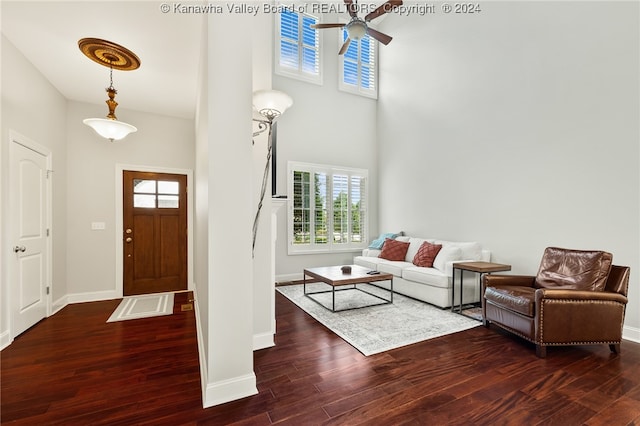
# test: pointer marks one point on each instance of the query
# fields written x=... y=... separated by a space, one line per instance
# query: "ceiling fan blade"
x=320 y=26
x=382 y=9
x=344 y=47
x=381 y=37
x=352 y=8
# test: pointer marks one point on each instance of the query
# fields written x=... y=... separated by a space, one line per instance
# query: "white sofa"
x=431 y=285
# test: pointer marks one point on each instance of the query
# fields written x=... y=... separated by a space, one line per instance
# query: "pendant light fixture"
x=117 y=57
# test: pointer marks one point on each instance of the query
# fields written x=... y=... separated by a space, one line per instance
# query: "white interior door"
x=28 y=267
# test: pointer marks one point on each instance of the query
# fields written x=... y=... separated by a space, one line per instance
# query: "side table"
x=478 y=267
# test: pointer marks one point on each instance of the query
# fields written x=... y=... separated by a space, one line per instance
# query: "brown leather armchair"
x=577 y=298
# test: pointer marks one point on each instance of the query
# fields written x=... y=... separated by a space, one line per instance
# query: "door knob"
x=129 y=239
x=128 y=231
x=21 y=249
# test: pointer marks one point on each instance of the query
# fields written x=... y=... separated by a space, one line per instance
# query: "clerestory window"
x=297 y=46
x=359 y=66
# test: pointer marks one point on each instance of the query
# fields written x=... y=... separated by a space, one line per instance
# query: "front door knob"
x=129 y=239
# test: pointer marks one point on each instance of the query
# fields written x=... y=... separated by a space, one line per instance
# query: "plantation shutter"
x=289 y=37
x=297 y=46
x=328 y=210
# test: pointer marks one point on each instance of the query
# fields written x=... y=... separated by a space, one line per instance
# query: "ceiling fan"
x=357 y=27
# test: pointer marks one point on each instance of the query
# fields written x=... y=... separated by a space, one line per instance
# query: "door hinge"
x=47 y=232
x=47 y=289
x=49 y=173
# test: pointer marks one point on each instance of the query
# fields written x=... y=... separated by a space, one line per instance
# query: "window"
x=328 y=210
x=297 y=46
x=156 y=194
x=359 y=66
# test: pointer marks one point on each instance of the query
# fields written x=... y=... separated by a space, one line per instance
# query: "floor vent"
x=186 y=307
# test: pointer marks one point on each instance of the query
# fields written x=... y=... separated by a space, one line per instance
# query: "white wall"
x=324 y=126
x=160 y=141
x=517 y=127
x=34 y=108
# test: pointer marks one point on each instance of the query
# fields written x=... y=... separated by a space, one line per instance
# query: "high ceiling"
x=168 y=45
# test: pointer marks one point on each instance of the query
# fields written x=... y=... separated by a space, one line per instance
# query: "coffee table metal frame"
x=333 y=276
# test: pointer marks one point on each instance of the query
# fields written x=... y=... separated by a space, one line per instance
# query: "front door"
x=155 y=232
x=29 y=257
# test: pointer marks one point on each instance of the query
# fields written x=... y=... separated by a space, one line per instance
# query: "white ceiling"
x=168 y=46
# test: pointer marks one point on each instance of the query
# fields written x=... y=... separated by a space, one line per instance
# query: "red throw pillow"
x=426 y=254
x=394 y=250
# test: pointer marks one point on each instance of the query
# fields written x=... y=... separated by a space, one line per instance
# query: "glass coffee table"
x=339 y=281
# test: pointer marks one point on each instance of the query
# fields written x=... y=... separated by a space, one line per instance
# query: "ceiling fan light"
x=271 y=103
x=356 y=29
x=113 y=130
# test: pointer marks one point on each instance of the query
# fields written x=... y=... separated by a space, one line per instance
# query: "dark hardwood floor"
x=74 y=369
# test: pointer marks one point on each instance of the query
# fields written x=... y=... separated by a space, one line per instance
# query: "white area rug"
x=376 y=329
x=143 y=306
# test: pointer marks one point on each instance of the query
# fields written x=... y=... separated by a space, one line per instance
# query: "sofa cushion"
x=429 y=276
x=514 y=298
x=446 y=255
x=394 y=250
x=469 y=250
x=379 y=242
x=426 y=254
x=574 y=269
x=394 y=268
x=368 y=262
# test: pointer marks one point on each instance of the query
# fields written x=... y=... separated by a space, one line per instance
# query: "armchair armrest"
x=579 y=295
x=578 y=317
x=514 y=280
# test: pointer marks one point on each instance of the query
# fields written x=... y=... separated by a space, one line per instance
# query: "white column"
x=230 y=298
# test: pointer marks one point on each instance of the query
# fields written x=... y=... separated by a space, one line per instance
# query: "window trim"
x=357 y=89
x=329 y=247
x=290 y=72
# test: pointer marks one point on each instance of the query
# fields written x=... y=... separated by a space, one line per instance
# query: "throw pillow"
x=394 y=250
x=426 y=254
x=444 y=259
x=379 y=242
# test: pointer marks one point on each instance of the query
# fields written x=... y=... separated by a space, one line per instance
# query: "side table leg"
x=461 y=288
x=453 y=289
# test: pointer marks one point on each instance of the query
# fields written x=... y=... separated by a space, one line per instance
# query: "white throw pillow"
x=445 y=255
x=470 y=250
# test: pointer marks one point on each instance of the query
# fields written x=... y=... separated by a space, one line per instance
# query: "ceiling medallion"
x=109 y=54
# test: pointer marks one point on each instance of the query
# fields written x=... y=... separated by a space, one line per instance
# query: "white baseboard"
x=5 y=340
x=263 y=341
x=631 y=333
x=224 y=390
x=93 y=296
x=288 y=277
x=201 y=351
x=59 y=304
x=230 y=390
